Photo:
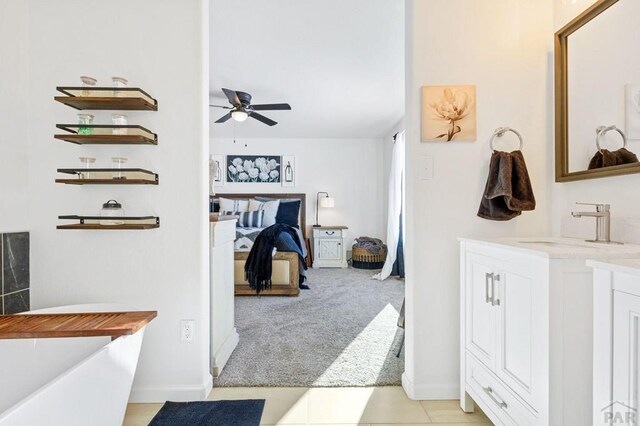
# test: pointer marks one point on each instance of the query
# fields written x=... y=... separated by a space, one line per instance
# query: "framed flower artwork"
x=254 y=168
x=448 y=113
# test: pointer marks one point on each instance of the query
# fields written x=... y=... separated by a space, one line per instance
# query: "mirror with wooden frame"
x=597 y=91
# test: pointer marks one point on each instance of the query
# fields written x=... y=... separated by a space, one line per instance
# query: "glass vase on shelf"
x=85 y=120
x=119 y=82
x=87 y=163
x=288 y=172
x=117 y=164
x=88 y=83
x=119 y=120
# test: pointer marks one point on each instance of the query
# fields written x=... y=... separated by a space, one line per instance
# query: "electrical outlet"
x=187 y=331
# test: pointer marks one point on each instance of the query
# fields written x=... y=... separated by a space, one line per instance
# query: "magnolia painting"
x=253 y=169
x=448 y=113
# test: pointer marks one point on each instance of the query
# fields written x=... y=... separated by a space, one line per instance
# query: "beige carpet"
x=341 y=332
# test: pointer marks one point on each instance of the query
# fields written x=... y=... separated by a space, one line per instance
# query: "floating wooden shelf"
x=109 y=177
x=42 y=326
x=107 y=98
x=103 y=135
x=93 y=223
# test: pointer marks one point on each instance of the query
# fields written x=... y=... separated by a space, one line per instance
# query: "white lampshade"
x=239 y=115
x=327 y=202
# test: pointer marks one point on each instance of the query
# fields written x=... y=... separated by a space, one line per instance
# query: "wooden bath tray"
x=42 y=326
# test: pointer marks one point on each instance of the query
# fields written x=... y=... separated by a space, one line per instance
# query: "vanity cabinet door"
x=481 y=315
x=522 y=317
x=626 y=356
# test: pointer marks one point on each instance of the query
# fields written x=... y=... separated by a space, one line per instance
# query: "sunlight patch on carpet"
x=368 y=351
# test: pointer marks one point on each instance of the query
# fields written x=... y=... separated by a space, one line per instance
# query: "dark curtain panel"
x=398 y=265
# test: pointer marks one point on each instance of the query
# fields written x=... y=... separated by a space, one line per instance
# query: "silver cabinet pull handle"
x=495 y=301
x=489 y=391
x=487 y=278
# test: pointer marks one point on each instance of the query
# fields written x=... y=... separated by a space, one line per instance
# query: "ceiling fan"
x=241 y=108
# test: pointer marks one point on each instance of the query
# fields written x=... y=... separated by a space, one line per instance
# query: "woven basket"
x=362 y=259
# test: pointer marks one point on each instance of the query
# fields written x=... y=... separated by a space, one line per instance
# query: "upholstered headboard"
x=302 y=215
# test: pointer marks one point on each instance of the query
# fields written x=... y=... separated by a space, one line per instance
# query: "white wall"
x=161 y=46
x=618 y=191
x=350 y=170
x=14 y=173
x=501 y=46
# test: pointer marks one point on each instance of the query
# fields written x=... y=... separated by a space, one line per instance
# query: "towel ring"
x=603 y=130
x=500 y=131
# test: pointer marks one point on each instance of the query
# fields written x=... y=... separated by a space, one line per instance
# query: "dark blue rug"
x=247 y=412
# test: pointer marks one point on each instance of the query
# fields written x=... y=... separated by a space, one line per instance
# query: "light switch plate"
x=425 y=167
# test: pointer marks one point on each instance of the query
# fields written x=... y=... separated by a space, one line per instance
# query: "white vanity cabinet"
x=526 y=329
x=503 y=316
x=616 y=342
x=224 y=337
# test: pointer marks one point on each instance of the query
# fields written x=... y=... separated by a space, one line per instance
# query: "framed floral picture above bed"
x=254 y=168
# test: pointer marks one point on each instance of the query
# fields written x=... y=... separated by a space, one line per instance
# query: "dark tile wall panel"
x=14 y=273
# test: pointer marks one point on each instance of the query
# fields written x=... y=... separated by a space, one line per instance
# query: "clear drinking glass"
x=118 y=162
x=87 y=163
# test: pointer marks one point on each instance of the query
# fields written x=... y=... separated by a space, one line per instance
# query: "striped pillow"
x=247 y=219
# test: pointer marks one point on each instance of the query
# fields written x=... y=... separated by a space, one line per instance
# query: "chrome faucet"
x=603 y=222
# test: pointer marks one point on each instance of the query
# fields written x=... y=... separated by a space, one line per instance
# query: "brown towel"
x=606 y=158
x=508 y=191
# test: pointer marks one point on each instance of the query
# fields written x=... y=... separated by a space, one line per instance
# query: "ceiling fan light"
x=239 y=115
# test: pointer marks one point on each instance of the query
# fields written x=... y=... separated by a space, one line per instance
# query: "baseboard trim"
x=219 y=359
x=429 y=392
x=172 y=393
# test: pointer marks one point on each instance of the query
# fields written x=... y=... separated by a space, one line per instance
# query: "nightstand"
x=329 y=249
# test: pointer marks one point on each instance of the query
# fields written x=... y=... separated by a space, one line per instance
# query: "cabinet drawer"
x=494 y=397
x=328 y=233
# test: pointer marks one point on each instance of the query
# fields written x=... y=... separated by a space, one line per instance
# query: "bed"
x=286 y=268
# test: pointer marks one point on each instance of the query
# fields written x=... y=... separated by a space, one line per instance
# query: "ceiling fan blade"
x=220 y=106
x=271 y=107
x=223 y=118
x=232 y=96
x=262 y=118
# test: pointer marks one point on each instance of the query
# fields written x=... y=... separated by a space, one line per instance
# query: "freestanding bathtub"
x=68 y=381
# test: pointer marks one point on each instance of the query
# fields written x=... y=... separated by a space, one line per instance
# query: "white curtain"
x=395 y=206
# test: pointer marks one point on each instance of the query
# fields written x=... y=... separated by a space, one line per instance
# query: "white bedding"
x=245 y=238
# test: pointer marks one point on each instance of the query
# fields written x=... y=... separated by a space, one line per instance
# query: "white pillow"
x=229 y=205
x=270 y=210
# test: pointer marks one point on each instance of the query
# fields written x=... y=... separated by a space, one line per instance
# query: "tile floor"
x=334 y=406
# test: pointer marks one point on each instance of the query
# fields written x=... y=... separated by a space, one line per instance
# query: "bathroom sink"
x=564 y=248
x=557 y=244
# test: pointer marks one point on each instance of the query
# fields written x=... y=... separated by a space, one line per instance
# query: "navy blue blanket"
x=258 y=267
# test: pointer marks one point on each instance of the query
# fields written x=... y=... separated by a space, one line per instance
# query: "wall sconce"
x=325 y=202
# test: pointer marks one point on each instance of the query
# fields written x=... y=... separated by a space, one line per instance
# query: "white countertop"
x=561 y=248
x=627 y=266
